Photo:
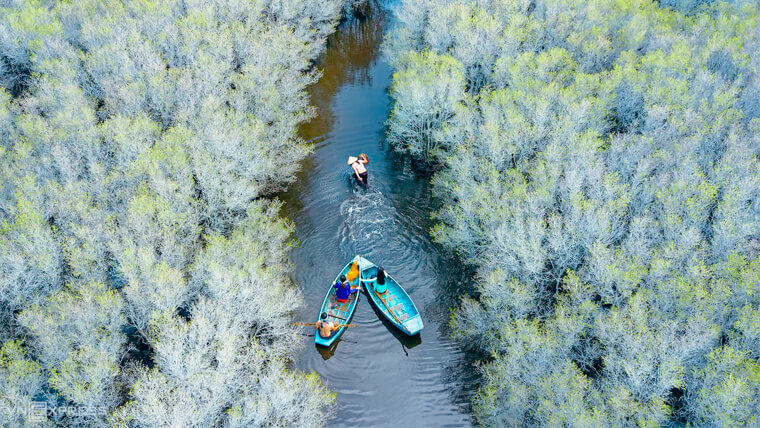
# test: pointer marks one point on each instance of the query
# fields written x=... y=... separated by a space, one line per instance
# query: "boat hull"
x=395 y=304
x=338 y=313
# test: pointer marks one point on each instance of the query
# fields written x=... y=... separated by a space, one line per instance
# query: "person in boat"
x=380 y=285
x=325 y=327
x=344 y=289
x=360 y=170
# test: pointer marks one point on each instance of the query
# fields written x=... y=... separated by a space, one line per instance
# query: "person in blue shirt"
x=344 y=289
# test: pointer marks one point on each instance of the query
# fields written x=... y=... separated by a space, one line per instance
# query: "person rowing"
x=360 y=170
x=326 y=327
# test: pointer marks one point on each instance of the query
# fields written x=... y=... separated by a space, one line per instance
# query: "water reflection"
x=328 y=352
x=350 y=54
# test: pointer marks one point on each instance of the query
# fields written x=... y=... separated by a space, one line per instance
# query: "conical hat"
x=351 y=159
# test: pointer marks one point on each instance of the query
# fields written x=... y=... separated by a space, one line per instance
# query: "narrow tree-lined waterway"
x=380 y=376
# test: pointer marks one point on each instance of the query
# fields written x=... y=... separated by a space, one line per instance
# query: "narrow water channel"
x=380 y=376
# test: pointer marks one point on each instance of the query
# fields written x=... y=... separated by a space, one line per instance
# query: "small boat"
x=395 y=304
x=338 y=313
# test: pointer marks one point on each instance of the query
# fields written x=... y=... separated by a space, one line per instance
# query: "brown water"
x=381 y=377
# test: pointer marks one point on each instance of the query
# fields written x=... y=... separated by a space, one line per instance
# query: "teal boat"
x=338 y=313
x=394 y=303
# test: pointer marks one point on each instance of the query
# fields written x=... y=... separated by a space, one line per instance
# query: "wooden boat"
x=338 y=313
x=395 y=304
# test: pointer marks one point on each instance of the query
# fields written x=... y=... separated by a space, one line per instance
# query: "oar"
x=335 y=316
x=313 y=323
x=390 y=311
x=340 y=308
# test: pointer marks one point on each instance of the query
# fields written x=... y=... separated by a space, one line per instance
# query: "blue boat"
x=394 y=303
x=337 y=313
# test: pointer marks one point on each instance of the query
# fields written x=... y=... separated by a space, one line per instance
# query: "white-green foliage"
x=599 y=168
x=77 y=336
x=427 y=92
x=210 y=373
x=728 y=389
x=245 y=273
x=22 y=381
x=135 y=137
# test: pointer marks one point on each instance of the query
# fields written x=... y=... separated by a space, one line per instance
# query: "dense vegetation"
x=142 y=275
x=597 y=163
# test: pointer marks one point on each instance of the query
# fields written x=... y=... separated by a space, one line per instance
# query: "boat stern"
x=319 y=340
x=327 y=341
x=413 y=325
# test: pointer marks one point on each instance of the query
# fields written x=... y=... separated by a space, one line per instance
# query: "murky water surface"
x=381 y=377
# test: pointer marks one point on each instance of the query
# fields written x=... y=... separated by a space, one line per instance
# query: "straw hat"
x=351 y=159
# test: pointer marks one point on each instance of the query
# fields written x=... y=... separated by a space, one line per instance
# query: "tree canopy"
x=143 y=268
x=597 y=163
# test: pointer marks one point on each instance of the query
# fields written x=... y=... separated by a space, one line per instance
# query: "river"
x=380 y=376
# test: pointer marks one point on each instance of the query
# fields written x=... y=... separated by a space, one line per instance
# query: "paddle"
x=313 y=323
x=340 y=308
x=390 y=311
x=379 y=296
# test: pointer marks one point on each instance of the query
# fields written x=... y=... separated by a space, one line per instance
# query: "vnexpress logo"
x=37 y=412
